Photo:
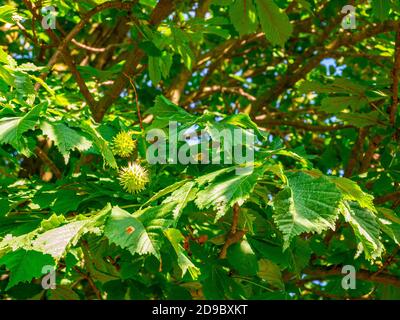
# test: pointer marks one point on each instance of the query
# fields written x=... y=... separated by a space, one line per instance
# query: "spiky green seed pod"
x=133 y=178
x=123 y=144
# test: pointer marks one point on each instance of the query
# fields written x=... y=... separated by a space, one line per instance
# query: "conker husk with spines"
x=123 y=144
x=133 y=178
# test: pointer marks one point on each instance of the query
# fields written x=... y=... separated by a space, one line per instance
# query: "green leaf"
x=4 y=207
x=165 y=64
x=12 y=129
x=165 y=191
x=54 y=242
x=243 y=16
x=389 y=224
x=209 y=177
x=352 y=191
x=271 y=273
x=129 y=233
x=306 y=5
x=221 y=195
x=187 y=54
x=242 y=258
x=65 y=138
x=25 y=265
x=274 y=22
x=361 y=120
x=337 y=104
x=100 y=143
x=154 y=70
x=167 y=111
x=63 y=292
x=307 y=204
x=339 y=85
x=244 y=121
x=218 y=285
x=6 y=14
x=380 y=9
x=181 y=197
x=176 y=237
x=150 y=48
x=366 y=228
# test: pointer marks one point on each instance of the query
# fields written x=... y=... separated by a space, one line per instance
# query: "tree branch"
x=300 y=125
x=67 y=58
x=234 y=235
x=356 y=151
x=162 y=10
x=395 y=78
x=62 y=45
x=323 y=273
x=302 y=67
x=387 y=197
x=46 y=160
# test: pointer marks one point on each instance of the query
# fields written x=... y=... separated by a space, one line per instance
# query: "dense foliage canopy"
x=84 y=87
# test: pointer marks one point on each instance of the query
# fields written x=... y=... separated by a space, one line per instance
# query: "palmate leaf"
x=380 y=9
x=100 y=143
x=366 y=228
x=165 y=191
x=274 y=23
x=167 y=111
x=65 y=138
x=337 y=104
x=154 y=70
x=243 y=16
x=12 y=129
x=181 y=197
x=56 y=234
x=7 y=13
x=339 y=85
x=209 y=177
x=361 y=120
x=389 y=224
x=242 y=258
x=25 y=265
x=307 y=204
x=352 y=191
x=55 y=241
x=271 y=273
x=221 y=195
x=176 y=237
x=126 y=231
x=244 y=121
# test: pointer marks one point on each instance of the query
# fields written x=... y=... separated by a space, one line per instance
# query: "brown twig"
x=137 y=102
x=395 y=77
x=373 y=146
x=389 y=261
x=234 y=235
x=87 y=277
x=356 y=151
x=67 y=58
x=387 y=197
x=62 y=44
x=160 y=12
x=43 y=156
x=86 y=253
x=301 y=125
x=302 y=66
